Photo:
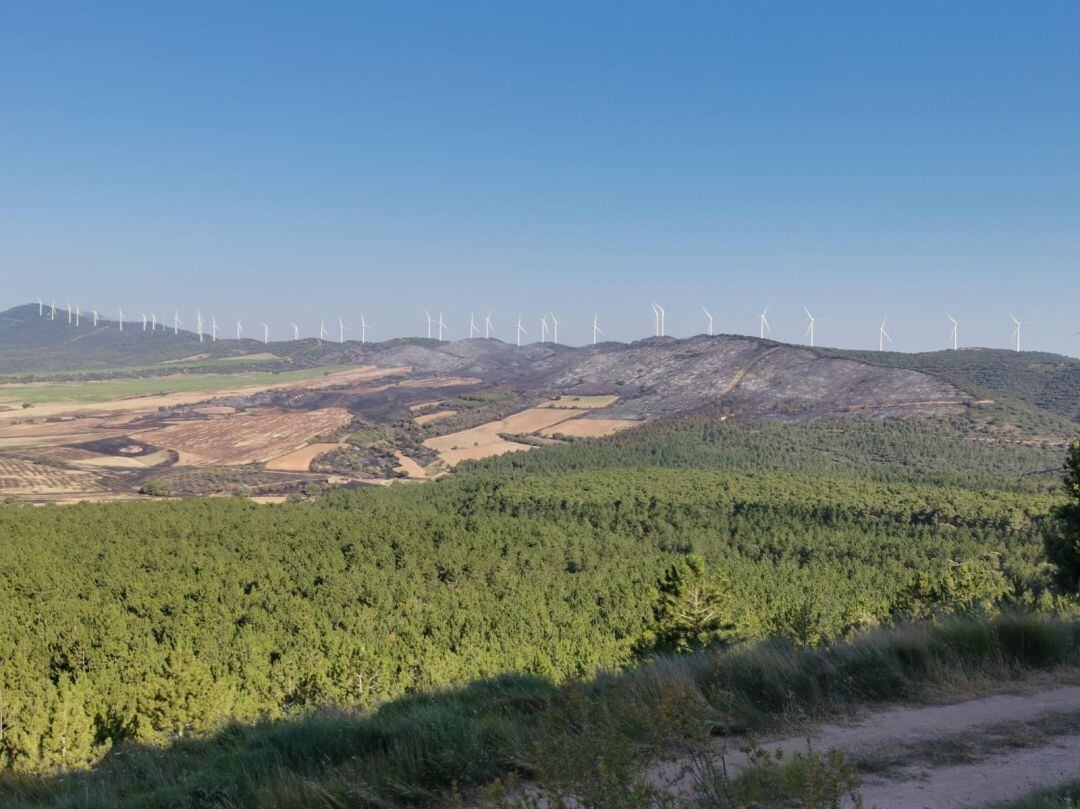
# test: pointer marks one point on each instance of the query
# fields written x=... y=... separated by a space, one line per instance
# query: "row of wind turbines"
x=437 y=328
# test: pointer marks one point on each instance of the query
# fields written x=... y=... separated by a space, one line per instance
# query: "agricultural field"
x=243 y=439
x=20 y=477
x=487 y=439
x=588 y=428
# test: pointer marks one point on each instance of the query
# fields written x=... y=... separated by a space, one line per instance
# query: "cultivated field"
x=581 y=402
x=27 y=478
x=300 y=460
x=242 y=439
x=486 y=440
x=437 y=415
x=589 y=428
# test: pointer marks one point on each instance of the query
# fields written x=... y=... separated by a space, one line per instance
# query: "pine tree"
x=1063 y=545
x=694 y=609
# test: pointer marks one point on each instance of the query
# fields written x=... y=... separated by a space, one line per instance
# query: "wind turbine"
x=239 y=329
x=473 y=330
x=596 y=330
x=810 y=328
x=882 y=335
x=430 y=323
x=341 y=329
x=363 y=328
x=141 y=314
x=763 y=323
x=659 y=314
x=266 y=333
x=323 y=333
x=69 y=313
x=176 y=322
x=52 y=311
x=153 y=322
x=441 y=324
x=954 y=335
x=709 y=316
x=1016 y=331
x=95 y=318
x=520 y=331
x=543 y=329
x=489 y=326
x=295 y=331
x=40 y=307
x=120 y=312
x=198 y=324
x=78 y=313
x=213 y=329
x=554 y=328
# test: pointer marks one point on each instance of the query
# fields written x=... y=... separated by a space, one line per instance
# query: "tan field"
x=427 y=418
x=27 y=478
x=581 y=402
x=410 y=467
x=589 y=428
x=300 y=460
x=215 y=410
x=485 y=441
x=154 y=402
x=423 y=406
x=97 y=461
x=242 y=439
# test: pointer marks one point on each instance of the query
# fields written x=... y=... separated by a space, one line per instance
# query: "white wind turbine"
x=78 y=313
x=323 y=333
x=489 y=326
x=1016 y=331
x=176 y=322
x=810 y=328
x=473 y=330
x=441 y=324
x=52 y=311
x=596 y=330
x=94 y=313
x=153 y=322
x=659 y=315
x=266 y=333
x=40 y=307
x=363 y=328
x=430 y=322
x=954 y=333
x=239 y=329
x=141 y=314
x=69 y=313
x=120 y=312
x=543 y=329
x=882 y=335
x=341 y=329
x=295 y=331
x=199 y=324
x=554 y=328
x=709 y=316
x=763 y=322
x=520 y=331
x=213 y=329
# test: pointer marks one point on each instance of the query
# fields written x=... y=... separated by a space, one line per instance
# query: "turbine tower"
x=489 y=326
x=153 y=322
x=430 y=323
x=709 y=316
x=295 y=331
x=441 y=324
x=40 y=307
x=659 y=315
x=520 y=331
x=1016 y=331
x=473 y=330
x=763 y=323
x=810 y=328
x=266 y=333
x=69 y=313
x=323 y=333
x=882 y=335
x=341 y=329
x=94 y=313
x=198 y=324
x=121 y=318
x=239 y=329
x=363 y=328
x=52 y=311
x=954 y=334
x=543 y=329
x=596 y=330
x=78 y=312
x=141 y=314
x=554 y=328
x=176 y=322
x=213 y=329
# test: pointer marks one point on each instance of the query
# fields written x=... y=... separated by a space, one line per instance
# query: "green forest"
x=155 y=621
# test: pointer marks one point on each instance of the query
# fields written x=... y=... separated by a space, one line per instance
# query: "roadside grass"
x=113 y=389
x=580 y=738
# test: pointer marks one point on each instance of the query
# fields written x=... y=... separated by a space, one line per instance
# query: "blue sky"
x=282 y=162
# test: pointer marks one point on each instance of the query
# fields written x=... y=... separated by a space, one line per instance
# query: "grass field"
x=113 y=389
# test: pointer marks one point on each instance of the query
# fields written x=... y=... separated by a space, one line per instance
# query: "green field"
x=113 y=389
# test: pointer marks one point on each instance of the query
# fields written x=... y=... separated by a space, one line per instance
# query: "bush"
x=156 y=488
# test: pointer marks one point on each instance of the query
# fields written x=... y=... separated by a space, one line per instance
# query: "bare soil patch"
x=428 y=418
x=486 y=440
x=582 y=402
x=299 y=460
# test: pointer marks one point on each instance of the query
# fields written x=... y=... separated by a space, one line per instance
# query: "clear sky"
x=291 y=161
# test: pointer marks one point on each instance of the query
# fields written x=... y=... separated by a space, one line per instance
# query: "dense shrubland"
x=154 y=622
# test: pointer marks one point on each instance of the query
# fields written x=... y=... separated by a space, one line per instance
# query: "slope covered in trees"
x=157 y=620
